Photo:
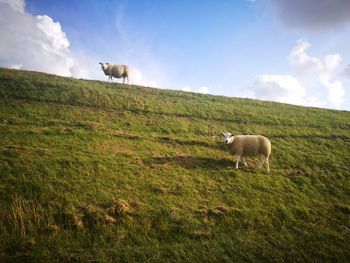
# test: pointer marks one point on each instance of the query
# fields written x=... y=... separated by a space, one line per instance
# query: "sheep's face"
x=228 y=137
x=104 y=66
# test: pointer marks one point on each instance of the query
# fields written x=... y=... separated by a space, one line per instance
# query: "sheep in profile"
x=248 y=145
x=116 y=71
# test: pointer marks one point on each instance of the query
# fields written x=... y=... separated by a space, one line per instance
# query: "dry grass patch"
x=123 y=207
x=23 y=216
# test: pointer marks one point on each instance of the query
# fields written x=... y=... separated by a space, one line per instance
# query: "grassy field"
x=99 y=172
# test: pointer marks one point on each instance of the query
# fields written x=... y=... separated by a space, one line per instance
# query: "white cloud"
x=303 y=87
x=335 y=89
x=318 y=70
x=203 y=89
x=17 y=5
x=53 y=32
x=136 y=77
x=346 y=71
x=85 y=68
x=281 y=88
x=186 y=88
x=16 y=66
x=313 y=102
x=304 y=62
x=35 y=42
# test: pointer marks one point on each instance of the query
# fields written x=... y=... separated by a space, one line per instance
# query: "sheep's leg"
x=237 y=158
x=265 y=160
x=262 y=162
x=267 y=164
x=245 y=164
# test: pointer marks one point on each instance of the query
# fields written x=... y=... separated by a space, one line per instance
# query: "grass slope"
x=95 y=171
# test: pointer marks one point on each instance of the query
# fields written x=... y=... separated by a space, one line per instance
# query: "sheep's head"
x=104 y=66
x=228 y=137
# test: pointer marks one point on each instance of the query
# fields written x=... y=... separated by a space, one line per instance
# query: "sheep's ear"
x=101 y=63
x=222 y=133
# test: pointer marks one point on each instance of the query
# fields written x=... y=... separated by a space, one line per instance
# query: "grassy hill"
x=102 y=172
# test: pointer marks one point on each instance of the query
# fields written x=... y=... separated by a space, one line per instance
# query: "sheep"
x=117 y=71
x=248 y=145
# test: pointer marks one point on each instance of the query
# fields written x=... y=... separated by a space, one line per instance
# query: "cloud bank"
x=35 y=42
x=321 y=70
x=311 y=72
x=202 y=89
x=17 y=5
x=312 y=14
x=346 y=71
x=281 y=88
x=304 y=62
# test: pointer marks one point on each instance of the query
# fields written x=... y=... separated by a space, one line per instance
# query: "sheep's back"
x=119 y=71
x=251 y=145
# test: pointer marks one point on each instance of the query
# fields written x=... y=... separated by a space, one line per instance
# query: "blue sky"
x=291 y=51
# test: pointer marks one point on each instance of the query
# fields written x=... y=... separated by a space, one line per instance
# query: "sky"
x=291 y=51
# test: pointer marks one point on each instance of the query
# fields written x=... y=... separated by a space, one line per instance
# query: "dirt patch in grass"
x=69 y=220
x=214 y=210
x=345 y=209
x=123 y=207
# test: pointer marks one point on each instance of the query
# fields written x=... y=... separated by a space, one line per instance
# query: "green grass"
x=102 y=172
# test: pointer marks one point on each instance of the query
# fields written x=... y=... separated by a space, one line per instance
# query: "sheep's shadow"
x=188 y=142
x=190 y=162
